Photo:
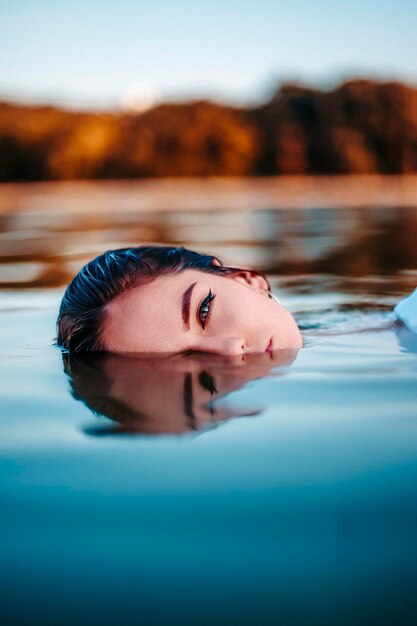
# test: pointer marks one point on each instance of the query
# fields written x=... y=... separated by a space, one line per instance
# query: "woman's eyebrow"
x=186 y=302
x=188 y=400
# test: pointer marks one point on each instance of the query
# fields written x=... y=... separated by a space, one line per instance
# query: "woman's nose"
x=229 y=346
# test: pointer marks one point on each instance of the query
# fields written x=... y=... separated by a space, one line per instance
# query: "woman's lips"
x=269 y=347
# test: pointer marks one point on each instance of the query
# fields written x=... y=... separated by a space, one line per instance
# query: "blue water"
x=289 y=496
x=303 y=513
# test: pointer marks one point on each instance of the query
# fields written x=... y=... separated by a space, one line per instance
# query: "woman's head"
x=157 y=299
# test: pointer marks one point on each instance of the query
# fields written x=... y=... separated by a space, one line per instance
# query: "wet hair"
x=83 y=307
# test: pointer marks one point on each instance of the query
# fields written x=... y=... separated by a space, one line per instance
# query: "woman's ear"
x=252 y=279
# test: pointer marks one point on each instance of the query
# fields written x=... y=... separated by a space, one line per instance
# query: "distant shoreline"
x=205 y=194
x=360 y=127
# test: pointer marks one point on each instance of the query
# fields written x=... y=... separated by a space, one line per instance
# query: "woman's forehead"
x=149 y=317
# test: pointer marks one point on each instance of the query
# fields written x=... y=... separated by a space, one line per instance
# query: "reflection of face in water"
x=165 y=395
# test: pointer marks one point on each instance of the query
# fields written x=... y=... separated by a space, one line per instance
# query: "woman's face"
x=200 y=311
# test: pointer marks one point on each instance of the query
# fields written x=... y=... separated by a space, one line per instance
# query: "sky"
x=101 y=53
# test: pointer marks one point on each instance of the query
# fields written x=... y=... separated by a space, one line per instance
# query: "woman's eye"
x=205 y=307
x=207 y=382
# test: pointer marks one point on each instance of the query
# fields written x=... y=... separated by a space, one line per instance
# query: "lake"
x=281 y=489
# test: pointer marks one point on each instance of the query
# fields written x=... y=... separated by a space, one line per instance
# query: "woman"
x=158 y=299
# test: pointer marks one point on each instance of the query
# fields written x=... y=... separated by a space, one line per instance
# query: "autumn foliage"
x=359 y=127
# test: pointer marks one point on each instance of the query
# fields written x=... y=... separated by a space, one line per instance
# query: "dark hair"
x=83 y=307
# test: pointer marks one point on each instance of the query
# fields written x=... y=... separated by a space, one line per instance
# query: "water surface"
x=260 y=492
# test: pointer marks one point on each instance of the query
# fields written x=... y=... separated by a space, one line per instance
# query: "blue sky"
x=97 y=52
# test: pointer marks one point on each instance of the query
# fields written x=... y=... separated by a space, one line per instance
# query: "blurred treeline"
x=360 y=127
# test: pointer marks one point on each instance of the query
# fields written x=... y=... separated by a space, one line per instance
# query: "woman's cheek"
x=224 y=317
